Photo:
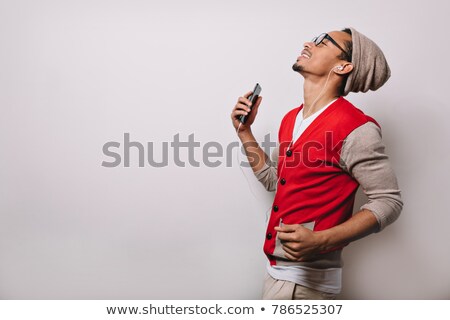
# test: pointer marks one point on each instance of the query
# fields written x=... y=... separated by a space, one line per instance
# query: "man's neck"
x=311 y=91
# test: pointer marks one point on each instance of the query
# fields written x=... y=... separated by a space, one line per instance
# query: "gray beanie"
x=370 y=68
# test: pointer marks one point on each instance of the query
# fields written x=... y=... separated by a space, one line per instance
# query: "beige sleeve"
x=363 y=157
x=268 y=174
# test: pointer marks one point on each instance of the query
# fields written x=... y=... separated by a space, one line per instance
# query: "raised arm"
x=255 y=155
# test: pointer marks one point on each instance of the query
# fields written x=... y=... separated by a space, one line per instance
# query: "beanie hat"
x=370 y=68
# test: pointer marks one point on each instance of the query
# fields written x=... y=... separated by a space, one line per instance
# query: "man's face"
x=319 y=60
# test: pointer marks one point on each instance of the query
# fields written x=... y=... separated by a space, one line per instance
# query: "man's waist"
x=327 y=260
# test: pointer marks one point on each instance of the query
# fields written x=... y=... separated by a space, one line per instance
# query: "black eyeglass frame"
x=318 y=40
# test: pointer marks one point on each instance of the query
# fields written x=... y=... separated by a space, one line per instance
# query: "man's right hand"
x=242 y=107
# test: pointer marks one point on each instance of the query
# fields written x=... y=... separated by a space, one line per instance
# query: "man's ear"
x=344 y=68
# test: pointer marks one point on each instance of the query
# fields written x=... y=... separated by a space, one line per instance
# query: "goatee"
x=297 y=67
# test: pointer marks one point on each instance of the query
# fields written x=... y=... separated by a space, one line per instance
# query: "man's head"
x=355 y=62
x=328 y=52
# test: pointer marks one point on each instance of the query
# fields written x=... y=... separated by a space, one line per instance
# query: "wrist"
x=324 y=240
x=245 y=133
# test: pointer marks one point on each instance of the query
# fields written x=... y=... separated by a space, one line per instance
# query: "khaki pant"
x=286 y=290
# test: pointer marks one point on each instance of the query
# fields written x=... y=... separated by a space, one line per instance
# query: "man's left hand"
x=299 y=243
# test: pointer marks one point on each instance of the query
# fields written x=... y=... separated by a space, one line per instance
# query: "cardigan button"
x=283 y=181
x=289 y=153
x=275 y=208
x=269 y=236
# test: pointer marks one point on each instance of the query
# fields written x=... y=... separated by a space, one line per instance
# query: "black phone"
x=253 y=97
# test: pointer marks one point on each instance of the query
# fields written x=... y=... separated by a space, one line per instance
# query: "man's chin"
x=296 y=67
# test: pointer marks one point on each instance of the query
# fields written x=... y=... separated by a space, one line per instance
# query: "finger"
x=237 y=113
x=290 y=248
x=286 y=236
x=287 y=228
x=304 y=256
x=291 y=257
x=254 y=112
x=244 y=101
x=294 y=253
x=242 y=106
x=248 y=94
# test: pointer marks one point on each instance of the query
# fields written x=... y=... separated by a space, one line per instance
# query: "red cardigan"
x=312 y=186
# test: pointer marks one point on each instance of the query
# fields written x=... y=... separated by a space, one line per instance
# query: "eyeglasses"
x=318 y=40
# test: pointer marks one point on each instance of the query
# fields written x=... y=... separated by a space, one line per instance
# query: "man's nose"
x=308 y=44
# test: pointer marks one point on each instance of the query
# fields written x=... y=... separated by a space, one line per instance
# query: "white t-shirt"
x=301 y=124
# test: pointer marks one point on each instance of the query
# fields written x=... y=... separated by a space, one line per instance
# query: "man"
x=327 y=149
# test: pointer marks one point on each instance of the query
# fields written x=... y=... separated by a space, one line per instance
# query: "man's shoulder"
x=351 y=114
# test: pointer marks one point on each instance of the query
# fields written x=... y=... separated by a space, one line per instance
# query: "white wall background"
x=77 y=74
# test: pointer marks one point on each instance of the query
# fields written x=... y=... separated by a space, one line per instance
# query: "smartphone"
x=253 y=97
